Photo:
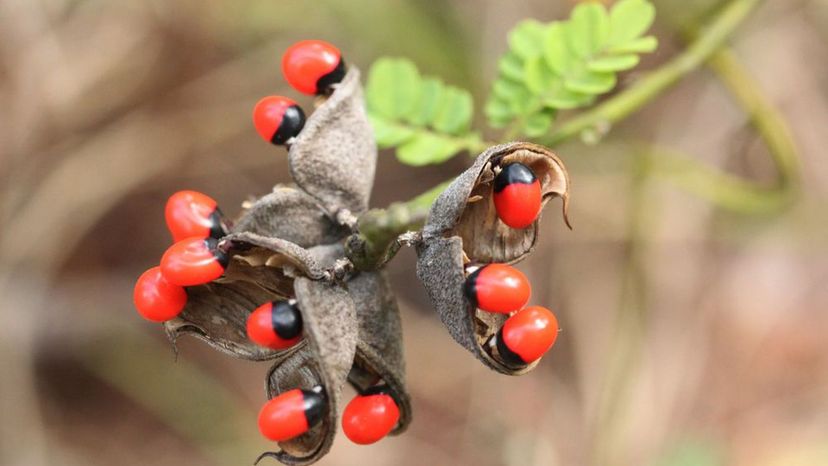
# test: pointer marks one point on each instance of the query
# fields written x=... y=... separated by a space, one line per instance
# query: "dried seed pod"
x=260 y=270
x=379 y=354
x=330 y=329
x=466 y=208
x=292 y=215
x=463 y=227
x=334 y=157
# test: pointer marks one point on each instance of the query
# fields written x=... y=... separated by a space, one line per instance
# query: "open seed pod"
x=260 y=269
x=334 y=156
x=330 y=330
x=379 y=355
x=292 y=215
x=466 y=208
x=463 y=227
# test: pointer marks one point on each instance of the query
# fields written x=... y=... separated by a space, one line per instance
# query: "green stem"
x=656 y=82
x=379 y=229
x=726 y=190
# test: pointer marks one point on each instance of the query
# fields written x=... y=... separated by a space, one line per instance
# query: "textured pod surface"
x=466 y=208
x=292 y=215
x=440 y=268
x=330 y=329
x=260 y=270
x=334 y=157
x=379 y=352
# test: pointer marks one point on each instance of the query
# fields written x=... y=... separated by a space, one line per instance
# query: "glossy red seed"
x=369 y=418
x=277 y=119
x=283 y=417
x=498 y=288
x=193 y=261
x=156 y=299
x=191 y=213
x=264 y=327
x=530 y=332
x=306 y=62
x=517 y=196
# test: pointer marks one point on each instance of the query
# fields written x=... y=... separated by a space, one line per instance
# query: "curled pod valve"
x=275 y=325
x=191 y=213
x=278 y=119
x=526 y=336
x=498 y=288
x=292 y=413
x=313 y=66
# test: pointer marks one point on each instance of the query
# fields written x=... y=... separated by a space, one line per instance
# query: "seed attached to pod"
x=312 y=66
x=191 y=213
x=527 y=335
x=369 y=417
x=276 y=325
x=157 y=299
x=292 y=413
x=498 y=288
x=277 y=119
x=517 y=195
x=193 y=261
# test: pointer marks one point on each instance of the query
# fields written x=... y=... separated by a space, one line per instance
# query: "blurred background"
x=692 y=334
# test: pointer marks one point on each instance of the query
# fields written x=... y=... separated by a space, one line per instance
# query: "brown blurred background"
x=691 y=335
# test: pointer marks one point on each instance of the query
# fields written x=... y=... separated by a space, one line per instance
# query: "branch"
x=379 y=229
x=377 y=242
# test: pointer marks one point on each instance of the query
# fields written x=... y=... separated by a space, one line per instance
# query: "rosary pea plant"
x=297 y=278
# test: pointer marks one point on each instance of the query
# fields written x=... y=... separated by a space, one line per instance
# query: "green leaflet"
x=549 y=67
x=426 y=120
x=567 y=64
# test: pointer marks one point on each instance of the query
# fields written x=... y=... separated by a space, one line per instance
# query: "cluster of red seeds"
x=311 y=67
x=530 y=331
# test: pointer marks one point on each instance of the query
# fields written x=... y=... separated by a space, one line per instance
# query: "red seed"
x=277 y=119
x=498 y=288
x=276 y=325
x=156 y=299
x=369 y=418
x=528 y=334
x=517 y=196
x=191 y=213
x=291 y=414
x=193 y=261
x=311 y=66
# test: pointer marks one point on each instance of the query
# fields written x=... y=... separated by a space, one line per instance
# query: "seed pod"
x=331 y=334
x=379 y=354
x=260 y=269
x=463 y=227
x=292 y=215
x=466 y=208
x=334 y=157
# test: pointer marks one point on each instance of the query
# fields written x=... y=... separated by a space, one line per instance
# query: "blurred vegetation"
x=693 y=333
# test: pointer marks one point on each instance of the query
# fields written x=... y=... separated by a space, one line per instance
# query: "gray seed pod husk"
x=463 y=228
x=379 y=352
x=290 y=214
x=259 y=270
x=330 y=331
x=334 y=156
